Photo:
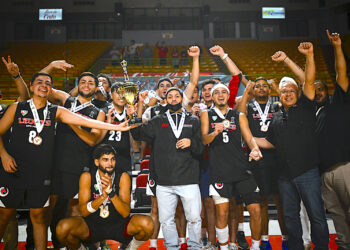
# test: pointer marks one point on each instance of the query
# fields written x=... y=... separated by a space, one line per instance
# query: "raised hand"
x=279 y=56
x=219 y=127
x=306 y=48
x=194 y=51
x=217 y=51
x=334 y=38
x=110 y=115
x=249 y=88
x=130 y=109
x=12 y=68
x=143 y=95
x=196 y=110
x=61 y=64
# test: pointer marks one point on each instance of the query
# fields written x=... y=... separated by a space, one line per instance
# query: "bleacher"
x=254 y=57
x=33 y=56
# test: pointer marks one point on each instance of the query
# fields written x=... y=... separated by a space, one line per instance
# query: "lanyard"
x=38 y=125
x=74 y=107
x=220 y=114
x=176 y=129
x=263 y=116
x=99 y=185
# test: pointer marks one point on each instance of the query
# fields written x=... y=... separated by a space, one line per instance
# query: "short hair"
x=88 y=74
x=105 y=76
x=174 y=89
x=166 y=80
x=208 y=81
x=37 y=74
x=261 y=78
x=115 y=86
x=102 y=149
x=323 y=83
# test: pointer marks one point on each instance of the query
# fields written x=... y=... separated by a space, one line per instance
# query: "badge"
x=264 y=128
x=219 y=185
x=214 y=118
x=226 y=123
x=24 y=112
x=104 y=213
x=37 y=140
x=4 y=192
x=151 y=183
x=157 y=112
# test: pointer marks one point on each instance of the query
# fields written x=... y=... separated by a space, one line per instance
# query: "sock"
x=222 y=234
x=153 y=243
x=264 y=237
x=182 y=240
x=135 y=244
x=241 y=227
x=284 y=237
x=255 y=245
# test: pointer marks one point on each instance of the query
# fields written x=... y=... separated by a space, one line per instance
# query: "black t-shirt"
x=34 y=162
x=72 y=153
x=293 y=134
x=121 y=143
x=333 y=129
x=228 y=163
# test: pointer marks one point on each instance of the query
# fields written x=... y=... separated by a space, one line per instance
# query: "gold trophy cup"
x=129 y=91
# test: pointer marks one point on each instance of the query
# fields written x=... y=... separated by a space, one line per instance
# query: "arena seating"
x=33 y=56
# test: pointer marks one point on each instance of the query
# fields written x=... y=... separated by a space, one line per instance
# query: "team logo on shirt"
x=4 y=191
x=24 y=112
x=151 y=183
x=233 y=120
x=91 y=114
x=96 y=187
x=219 y=185
x=214 y=117
x=157 y=112
x=165 y=125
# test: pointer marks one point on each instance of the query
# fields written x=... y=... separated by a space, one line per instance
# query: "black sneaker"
x=241 y=241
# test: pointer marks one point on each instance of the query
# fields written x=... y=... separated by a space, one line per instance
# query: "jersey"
x=114 y=215
x=34 y=162
x=228 y=163
x=102 y=105
x=120 y=141
x=72 y=153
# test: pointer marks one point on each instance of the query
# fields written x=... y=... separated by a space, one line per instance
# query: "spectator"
x=183 y=54
x=162 y=52
x=175 y=58
x=147 y=54
x=115 y=55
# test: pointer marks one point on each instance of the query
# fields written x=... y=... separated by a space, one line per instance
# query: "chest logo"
x=219 y=185
x=4 y=192
x=151 y=183
x=214 y=117
x=24 y=112
x=157 y=112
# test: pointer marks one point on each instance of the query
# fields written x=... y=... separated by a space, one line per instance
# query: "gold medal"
x=226 y=123
x=104 y=213
x=37 y=140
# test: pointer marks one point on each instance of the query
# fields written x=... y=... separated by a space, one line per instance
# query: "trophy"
x=129 y=91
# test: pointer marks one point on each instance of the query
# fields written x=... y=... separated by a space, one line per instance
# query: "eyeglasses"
x=284 y=92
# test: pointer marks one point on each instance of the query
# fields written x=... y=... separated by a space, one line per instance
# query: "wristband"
x=224 y=56
x=90 y=208
x=285 y=58
x=17 y=76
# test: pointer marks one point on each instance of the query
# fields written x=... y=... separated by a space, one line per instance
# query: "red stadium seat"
x=147 y=151
x=144 y=164
x=140 y=192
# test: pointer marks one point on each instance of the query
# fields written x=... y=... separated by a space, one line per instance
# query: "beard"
x=106 y=171
x=221 y=105
x=86 y=95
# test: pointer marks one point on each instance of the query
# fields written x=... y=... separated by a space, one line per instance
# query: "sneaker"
x=183 y=246
x=204 y=241
x=209 y=246
x=265 y=245
x=242 y=241
x=232 y=246
x=284 y=245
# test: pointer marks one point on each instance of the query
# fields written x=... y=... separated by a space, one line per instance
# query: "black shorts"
x=109 y=231
x=37 y=197
x=265 y=174
x=247 y=189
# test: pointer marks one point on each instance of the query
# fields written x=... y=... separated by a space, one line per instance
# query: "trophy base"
x=135 y=121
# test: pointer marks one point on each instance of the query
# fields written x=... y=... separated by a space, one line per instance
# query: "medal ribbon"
x=99 y=186
x=218 y=112
x=118 y=116
x=74 y=107
x=176 y=130
x=263 y=116
x=103 y=91
x=38 y=125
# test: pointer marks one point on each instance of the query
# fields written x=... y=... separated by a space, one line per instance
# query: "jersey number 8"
x=115 y=136
x=32 y=134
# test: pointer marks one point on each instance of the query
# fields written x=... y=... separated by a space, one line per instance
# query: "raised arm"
x=194 y=52
x=280 y=56
x=13 y=70
x=340 y=63
x=310 y=69
x=246 y=97
x=58 y=64
x=255 y=153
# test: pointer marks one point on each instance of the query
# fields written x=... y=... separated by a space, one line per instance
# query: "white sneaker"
x=209 y=246
x=232 y=246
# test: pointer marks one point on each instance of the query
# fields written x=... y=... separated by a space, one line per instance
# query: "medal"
x=104 y=213
x=146 y=101
x=37 y=140
x=226 y=123
x=264 y=128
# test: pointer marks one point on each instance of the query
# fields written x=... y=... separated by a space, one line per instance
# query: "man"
x=26 y=179
x=292 y=133
x=147 y=55
x=260 y=111
x=104 y=202
x=332 y=131
x=176 y=142
x=222 y=129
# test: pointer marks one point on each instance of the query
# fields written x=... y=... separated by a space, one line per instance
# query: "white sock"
x=135 y=244
x=264 y=237
x=255 y=245
x=182 y=240
x=284 y=237
x=222 y=234
x=241 y=227
x=153 y=243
